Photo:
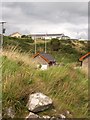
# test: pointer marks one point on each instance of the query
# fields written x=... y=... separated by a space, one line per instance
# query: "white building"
x=16 y=34
x=46 y=36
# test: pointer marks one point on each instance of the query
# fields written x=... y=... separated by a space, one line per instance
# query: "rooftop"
x=83 y=57
x=46 y=57
x=41 y=35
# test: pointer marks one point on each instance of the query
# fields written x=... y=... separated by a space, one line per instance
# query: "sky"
x=69 y=18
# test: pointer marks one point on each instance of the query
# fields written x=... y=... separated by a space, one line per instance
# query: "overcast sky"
x=70 y=18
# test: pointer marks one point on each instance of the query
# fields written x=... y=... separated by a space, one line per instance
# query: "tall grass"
x=18 y=69
x=65 y=86
x=68 y=87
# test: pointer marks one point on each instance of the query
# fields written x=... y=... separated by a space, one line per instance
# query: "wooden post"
x=35 y=45
x=45 y=46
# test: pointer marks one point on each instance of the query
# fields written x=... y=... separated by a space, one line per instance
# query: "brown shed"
x=85 y=61
x=44 y=59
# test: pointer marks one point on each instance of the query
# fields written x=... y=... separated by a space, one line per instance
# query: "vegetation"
x=55 y=44
x=63 y=84
x=24 y=44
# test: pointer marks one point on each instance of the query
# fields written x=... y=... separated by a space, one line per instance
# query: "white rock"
x=46 y=117
x=67 y=112
x=53 y=118
x=38 y=102
x=32 y=115
x=62 y=116
x=10 y=112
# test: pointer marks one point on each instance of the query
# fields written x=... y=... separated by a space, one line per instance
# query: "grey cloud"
x=52 y=12
x=49 y=13
x=58 y=12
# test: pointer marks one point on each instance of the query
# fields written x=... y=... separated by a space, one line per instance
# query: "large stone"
x=38 y=102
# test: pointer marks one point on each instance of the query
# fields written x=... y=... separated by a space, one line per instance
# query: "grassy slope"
x=63 y=84
x=69 y=52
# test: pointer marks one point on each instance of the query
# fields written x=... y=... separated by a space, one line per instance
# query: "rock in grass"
x=38 y=102
x=53 y=118
x=32 y=116
x=62 y=116
x=46 y=117
x=9 y=112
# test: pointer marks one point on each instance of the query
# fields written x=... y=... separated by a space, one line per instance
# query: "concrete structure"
x=46 y=36
x=16 y=34
x=44 y=60
x=85 y=61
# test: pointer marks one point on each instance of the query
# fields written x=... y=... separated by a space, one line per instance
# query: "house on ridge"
x=44 y=60
x=46 y=36
x=16 y=34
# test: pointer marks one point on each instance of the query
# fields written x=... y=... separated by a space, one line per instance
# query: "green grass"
x=9 y=67
x=68 y=87
x=16 y=82
x=68 y=48
x=63 y=84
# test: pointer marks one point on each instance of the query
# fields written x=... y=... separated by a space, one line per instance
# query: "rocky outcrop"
x=38 y=102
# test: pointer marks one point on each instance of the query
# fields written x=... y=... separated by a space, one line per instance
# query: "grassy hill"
x=63 y=84
x=70 y=50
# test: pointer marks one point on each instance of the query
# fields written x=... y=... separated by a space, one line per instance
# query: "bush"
x=55 y=44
